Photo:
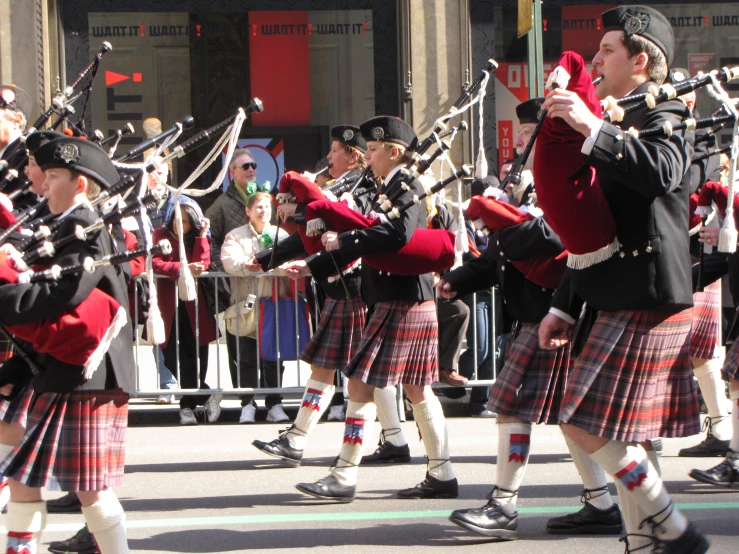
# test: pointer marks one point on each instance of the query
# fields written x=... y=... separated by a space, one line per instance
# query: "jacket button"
x=502 y=268
x=619 y=156
x=356 y=241
x=648 y=249
x=635 y=253
x=619 y=137
x=622 y=254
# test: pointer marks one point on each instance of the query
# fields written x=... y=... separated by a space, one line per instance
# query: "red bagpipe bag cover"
x=713 y=192
x=566 y=188
x=80 y=336
x=498 y=215
x=429 y=250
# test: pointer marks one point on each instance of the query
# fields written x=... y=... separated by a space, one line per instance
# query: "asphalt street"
x=206 y=489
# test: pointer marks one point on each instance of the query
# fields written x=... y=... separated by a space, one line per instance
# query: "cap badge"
x=634 y=23
x=348 y=135
x=68 y=153
x=8 y=96
x=378 y=133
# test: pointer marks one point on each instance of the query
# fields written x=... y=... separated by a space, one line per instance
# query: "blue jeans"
x=167 y=379
x=485 y=349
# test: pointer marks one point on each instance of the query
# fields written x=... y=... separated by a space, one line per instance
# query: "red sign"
x=505 y=141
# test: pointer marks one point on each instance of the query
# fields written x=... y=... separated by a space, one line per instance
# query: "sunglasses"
x=249 y=165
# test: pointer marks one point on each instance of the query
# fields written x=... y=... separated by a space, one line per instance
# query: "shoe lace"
x=292 y=430
x=384 y=434
x=708 y=424
x=628 y=550
x=589 y=494
x=495 y=493
x=652 y=520
x=335 y=464
x=441 y=461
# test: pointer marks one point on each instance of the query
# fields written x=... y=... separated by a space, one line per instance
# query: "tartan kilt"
x=337 y=335
x=531 y=384
x=731 y=363
x=73 y=442
x=704 y=340
x=16 y=410
x=633 y=380
x=400 y=344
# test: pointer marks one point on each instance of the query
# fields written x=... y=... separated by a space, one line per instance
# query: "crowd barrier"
x=296 y=372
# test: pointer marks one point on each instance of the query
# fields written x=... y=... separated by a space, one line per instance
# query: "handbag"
x=241 y=318
x=268 y=328
x=209 y=285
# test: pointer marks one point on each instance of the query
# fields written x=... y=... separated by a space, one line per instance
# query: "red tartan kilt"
x=73 y=442
x=531 y=384
x=633 y=381
x=16 y=410
x=704 y=340
x=731 y=363
x=399 y=345
x=337 y=335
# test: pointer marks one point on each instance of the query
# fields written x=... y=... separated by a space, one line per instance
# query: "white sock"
x=5 y=449
x=734 y=442
x=714 y=393
x=514 y=440
x=360 y=417
x=25 y=522
x=592 y=475
x=654 y=459
x=632 y=516
x=386 y=401
x=105 y=521
x=629 y=463
x=431 y=423
x=316 y=399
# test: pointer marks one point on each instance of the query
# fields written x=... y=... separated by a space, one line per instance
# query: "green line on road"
x=216 y=521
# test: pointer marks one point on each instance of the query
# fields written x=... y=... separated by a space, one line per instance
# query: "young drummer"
x=75 y=433
x=399 y=343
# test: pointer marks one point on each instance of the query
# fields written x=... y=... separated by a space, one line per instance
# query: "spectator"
x=238 y=259
x=197 y=248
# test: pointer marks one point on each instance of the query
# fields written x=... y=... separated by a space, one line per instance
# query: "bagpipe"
x=82 y=335
x=494 y=215
x=567 y=188
x=615 y=109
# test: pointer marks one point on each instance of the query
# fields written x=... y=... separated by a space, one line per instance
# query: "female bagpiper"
x=399 y=343
x=76 y=424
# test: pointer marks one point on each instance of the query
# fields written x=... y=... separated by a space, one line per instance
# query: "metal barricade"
x=147 y=357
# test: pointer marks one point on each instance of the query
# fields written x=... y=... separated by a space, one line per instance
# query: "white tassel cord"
x=581 y=261
x=481 y=164
x=728 y=235
x=186 y=288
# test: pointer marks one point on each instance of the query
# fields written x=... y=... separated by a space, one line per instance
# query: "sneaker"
x=82 y=543
x=276 y=414
x=165 y=399
x=212 y=408
x=336 y=413
x=248 y=414
x=485 y=414
x=187 y=417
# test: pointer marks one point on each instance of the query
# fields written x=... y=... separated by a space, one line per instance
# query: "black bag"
x=209 y=291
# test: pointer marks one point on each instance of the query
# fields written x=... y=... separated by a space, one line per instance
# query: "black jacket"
x=388 y=237
x=642 y=180
x=524 y=300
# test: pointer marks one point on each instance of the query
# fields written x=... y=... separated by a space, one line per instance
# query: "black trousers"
x=453 y=315
x=246 y=368
x=186 y=355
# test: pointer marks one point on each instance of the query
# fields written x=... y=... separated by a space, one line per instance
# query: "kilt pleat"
x=73 y=442
x=16 y=410
x=633 y=381
x=531 y=384
x=704 y=339
x=337 y=335
x=731 y=363
x=399 y=345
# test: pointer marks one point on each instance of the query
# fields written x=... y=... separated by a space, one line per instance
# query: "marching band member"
x=399 y=343
x=74 y=439
x=632 y=381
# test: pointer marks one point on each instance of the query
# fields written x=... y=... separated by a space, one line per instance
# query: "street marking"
x=333 y=517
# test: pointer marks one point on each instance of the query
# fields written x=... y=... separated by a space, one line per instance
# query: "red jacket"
x=169 y=266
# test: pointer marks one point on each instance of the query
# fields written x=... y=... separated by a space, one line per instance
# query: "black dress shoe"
x=588 y=521
x=329 y=488
x=280 y=448
x=388 y=453
x=726 y=474
x=67 y=504
x=431 y=487
x=691 y=541
x=81 y=543
x=490 y=520
x=708 y=448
